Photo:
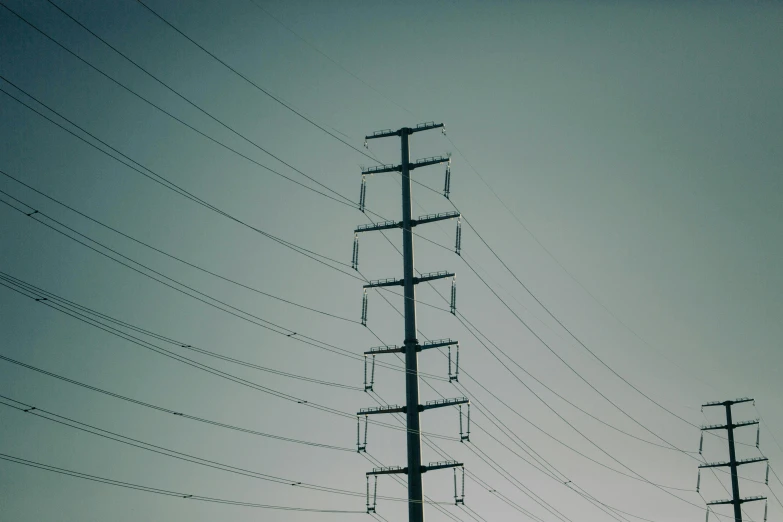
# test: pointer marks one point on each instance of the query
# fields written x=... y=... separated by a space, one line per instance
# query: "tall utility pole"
x=411 y=346
x=736 y=500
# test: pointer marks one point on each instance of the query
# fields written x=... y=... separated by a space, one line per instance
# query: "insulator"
x=363 y=193
x=375 y=494
x=464 y=436
x=701 y=442
x=758 y=434
x=456 y=497
x=366 y=388
x=766 y=479
x=447 y=182
x=707 y=518
x=366 y=145
x=458 y=244
x=459 y=498
x=359 y=446
x=460 y=428
x=355 y=256
x=371 y=507
x=443 y=130
x=765 y=511
x=366 y=424
x=454 y=296
x=698 y=481
x=449 y=363
x=372 y=373
x=364 y=309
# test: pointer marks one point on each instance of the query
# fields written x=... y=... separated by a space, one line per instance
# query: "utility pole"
x=736 y=500
x=411 y=346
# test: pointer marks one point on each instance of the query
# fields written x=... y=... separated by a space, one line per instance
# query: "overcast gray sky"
x=636 y=146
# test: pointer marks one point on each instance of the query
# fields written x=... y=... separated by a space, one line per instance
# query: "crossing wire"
x=251 y=82
x=124 y=439
x=471 y=227
x=195 y=364
x=173 y=412
x=149 y=489
x=251 y=318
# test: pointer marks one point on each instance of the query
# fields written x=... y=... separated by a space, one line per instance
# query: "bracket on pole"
x=384 y=349
x=737 y=463
x=741 y=501
x=388 y=470
x=727 y=403
x=441 y=403
x=432 y=466
x=372 y=410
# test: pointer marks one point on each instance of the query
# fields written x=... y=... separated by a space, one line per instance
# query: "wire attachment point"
x=364 y=309
x=459 y=499
x=355 y=255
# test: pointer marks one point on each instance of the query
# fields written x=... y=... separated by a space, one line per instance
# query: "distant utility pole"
x=736 y=500
x=411 y=346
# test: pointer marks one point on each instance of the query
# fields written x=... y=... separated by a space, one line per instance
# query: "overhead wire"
x=201 y=366
x=231 y=310
x=159 y=491
x=174 y=412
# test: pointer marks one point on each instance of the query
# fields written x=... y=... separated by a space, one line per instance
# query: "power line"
x=251 y=82
x=183 y=261
x=157 y=178
x=237 y=312
x=103 y=317
x=190 y=362
x=173 y=412
x=159 y=491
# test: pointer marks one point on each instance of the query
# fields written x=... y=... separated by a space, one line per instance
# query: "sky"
x=617 y=167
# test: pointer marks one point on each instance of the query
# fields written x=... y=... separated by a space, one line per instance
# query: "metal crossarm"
x=727 y=403
x=384 y=349
x=382 y=409
x=440 y=403
x=380 y=169
x=441 y=465
x=429 y=218
x=438 y=343
x=740 y=501
x=387 y=470
x=714 y=427
x=384 y=282
x=715 y=465
x=385 y=133
x=738 y=463
x=425 y=162
x=427 y=125
x=432 y=276
x=381 y=225
x=725 y=426
x=411 y=348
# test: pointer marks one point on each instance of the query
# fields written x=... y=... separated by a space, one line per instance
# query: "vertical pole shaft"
x=733 y=462
x=415 y=493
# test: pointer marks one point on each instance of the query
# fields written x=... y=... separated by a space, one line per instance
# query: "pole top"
x=728 y=403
